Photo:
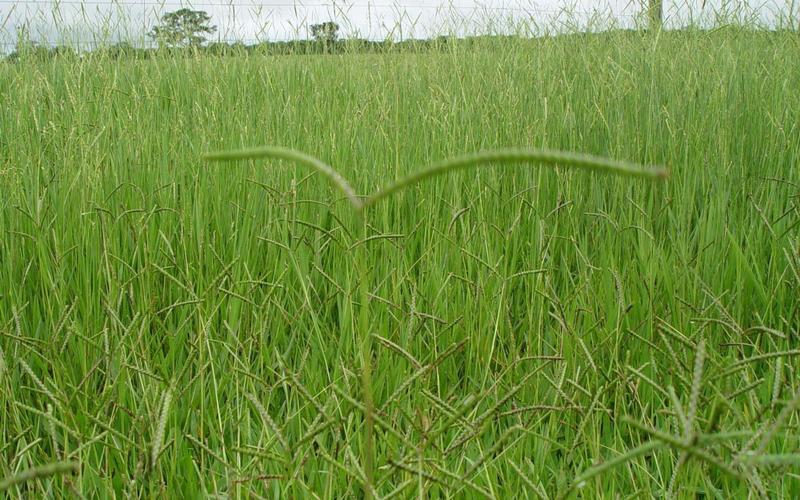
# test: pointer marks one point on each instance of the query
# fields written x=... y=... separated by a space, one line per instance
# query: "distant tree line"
x=126 y=50
x=185 y=32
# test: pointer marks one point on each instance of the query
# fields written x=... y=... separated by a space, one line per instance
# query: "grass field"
x=176 y=327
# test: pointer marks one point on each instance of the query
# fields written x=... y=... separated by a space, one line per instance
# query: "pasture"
x=172 y=326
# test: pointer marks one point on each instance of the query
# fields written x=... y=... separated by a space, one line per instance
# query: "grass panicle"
x=40 y=472
x=161 y=427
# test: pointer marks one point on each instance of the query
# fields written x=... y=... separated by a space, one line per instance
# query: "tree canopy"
x=327 y=32
x=183 y=28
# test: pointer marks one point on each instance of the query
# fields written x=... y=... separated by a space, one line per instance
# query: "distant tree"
x=28 y=49
x=120 y=49
x=226 y=49
x=326 y=33
x=183 y=28
x=25 y=45
x=63 y=51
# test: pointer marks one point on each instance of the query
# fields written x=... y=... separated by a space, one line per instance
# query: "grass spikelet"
x=441 y=405
x=507 y=396
x=776 y=426
x=268 y=422
x=586 y=417
x=399 y=489
x=399 y=350
x=582 y=478
x=315 y=430
x=682 y=458
x=777 y=382
x=414 y=471
x=697 y=379
x=41 y=472
x=525 y=479
x=652 y=383
x=749 y=387
x=46 y=416
x=585 y=350
x=742 y=364
x=63 y=319
x=684 y=446
x=619 y=289
x=161 y=427
x=452 y=349
x=676 y=404
x=17 y=322
x=306 y=394
x=478 y=422
x=457 y=415
x=208 y=451
x=343 y=468
x=37 y=381
x=460 y=481
x=377 y=419
x=789 y=459
x=493 y=451
x=51 y=429
x=3 y=366
x=407 y=383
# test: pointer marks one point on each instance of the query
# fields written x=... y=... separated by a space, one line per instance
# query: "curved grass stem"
x=509 y=156
x=287 y=154
x=520 y=156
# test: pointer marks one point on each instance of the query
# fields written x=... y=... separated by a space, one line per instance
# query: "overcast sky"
x=88 y=22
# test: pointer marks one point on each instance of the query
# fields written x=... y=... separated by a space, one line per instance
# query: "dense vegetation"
x=175 y=327
x=348 y=46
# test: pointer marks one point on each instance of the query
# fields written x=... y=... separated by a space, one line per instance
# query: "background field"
x=183 y=327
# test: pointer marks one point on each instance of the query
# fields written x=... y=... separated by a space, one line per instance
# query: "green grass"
x=171 y=326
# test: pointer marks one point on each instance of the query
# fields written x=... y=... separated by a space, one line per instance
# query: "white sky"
x=88 y=22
